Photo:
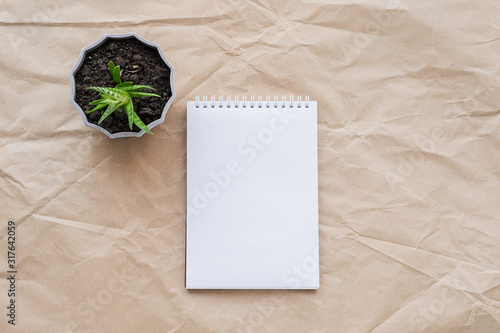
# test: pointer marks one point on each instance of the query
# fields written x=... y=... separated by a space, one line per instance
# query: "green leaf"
x=142 y=94
x=96 y=102
x=116 y=75
x=133 y=118
x=141 y=125
x=98 y=107
x=111 y=66
x=110 y=95
x=124 y=84
x=129 y=109
x=103 y=90
x=111 y=107
x=115 y=72
x=137 y=87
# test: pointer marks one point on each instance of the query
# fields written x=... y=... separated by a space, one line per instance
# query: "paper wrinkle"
x=404 y=312
x=478 y=304
x=178 y=327
x=48 y=198
x=407 y=309
x=48 y=195
x=481 y=113
x=16 y=183
x=85 y=226
x=180 y=21
x=391 y=316
x=477 y=285
x=266 y=9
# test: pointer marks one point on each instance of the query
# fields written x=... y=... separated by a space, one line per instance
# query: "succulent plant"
x=119 y=98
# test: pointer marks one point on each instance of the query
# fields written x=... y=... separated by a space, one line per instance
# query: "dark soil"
x=140 y=64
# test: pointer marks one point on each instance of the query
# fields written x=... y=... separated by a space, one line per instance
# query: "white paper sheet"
x=252 y=195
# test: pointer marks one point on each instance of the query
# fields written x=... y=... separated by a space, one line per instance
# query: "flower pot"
x=142 y=62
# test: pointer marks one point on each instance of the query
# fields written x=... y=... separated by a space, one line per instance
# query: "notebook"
x=252 y=194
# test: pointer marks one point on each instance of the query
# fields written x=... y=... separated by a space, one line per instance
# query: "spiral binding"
x=252 y=103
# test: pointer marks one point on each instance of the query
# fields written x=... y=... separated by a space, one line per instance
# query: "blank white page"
x=252 y=195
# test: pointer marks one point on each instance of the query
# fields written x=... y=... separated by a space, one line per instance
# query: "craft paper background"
x=408 y=130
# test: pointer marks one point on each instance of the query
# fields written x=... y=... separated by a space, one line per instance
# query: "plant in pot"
x=122 y=85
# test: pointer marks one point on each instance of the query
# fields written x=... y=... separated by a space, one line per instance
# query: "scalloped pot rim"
x=79 y=64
